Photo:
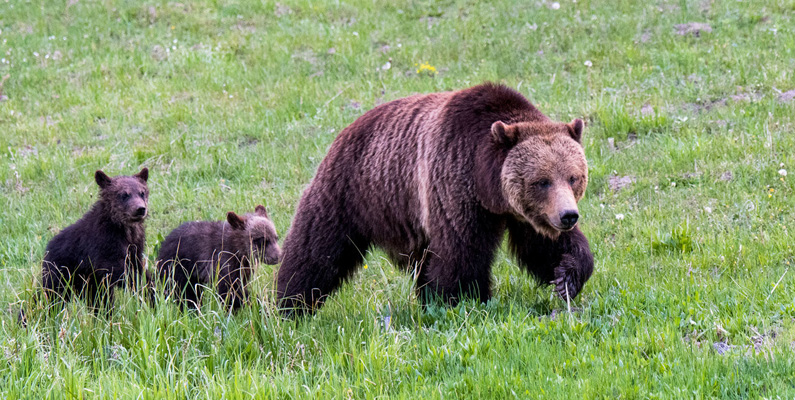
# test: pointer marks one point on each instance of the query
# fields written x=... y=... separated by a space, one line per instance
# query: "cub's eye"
x=142 y=194
x=259 y=242
x=124 y=196
x=543 y=183
x=572 y=180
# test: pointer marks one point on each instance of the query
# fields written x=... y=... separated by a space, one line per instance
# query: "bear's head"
x=544 y=174
x=261 y=232
x=125 y=197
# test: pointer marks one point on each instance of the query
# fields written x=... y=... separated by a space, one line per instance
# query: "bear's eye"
x=142 y=194
x=543 y=183
x=124 y=196
x=572 y=180
x=259 y=242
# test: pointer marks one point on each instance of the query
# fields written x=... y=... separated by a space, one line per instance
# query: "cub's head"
x=126 y=196
x=544 y=174
x=262 y=233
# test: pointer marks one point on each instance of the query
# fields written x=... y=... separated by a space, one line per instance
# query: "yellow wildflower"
x=427 y=69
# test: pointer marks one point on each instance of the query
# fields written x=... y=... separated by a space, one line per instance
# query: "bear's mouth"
x=544 y=226
x=560 y=228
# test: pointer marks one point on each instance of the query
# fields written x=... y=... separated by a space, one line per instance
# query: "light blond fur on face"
x=544 y=174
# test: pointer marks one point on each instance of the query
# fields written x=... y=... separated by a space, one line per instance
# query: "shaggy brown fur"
x=199 y=254
x=104 y=249
x=435 y=180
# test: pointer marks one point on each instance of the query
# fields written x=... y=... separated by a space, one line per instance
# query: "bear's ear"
x=103 y=180
x=575 y=129
x=235 y=221
x=503 y=134
x=144 y=174
x=261 y=211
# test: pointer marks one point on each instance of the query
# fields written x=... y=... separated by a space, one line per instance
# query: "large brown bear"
x=104 y=249
x=435 y=180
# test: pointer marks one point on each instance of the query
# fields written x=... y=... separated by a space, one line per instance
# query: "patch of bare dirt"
x=617 y=183
x=282 y=10
x=694 y=29
x=722 y=347
x=354 y=105
x=48 y=120
x=180 y=97
x=245 y=26
x=430 y=21
x=691 y=175
x=665 y=7
x=25 y=29
x=644 y=37
x=647 y=110
x=306 y=55
x=159 y=53
x=763 y=341
x=786 y=97
x=3 y=80
x=707 y=105
x=151 y=13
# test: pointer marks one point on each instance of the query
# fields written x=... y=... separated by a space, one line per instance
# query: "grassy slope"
x=248 y=97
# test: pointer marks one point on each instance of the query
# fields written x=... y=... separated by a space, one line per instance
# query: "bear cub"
x=203 y=253
x=104 y=249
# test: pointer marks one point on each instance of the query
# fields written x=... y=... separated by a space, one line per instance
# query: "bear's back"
x=89 y=241
x=202 y=243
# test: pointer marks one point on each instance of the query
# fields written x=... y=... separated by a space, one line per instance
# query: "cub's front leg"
x=566 y=262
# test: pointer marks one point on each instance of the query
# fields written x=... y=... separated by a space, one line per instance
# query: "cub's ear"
x=503 y=134
x=103 y=180
x=261 y=211
x=144 y=174
x=235 y=221
x=575 y=129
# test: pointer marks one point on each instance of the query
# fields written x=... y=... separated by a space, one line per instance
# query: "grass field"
x=232 y=104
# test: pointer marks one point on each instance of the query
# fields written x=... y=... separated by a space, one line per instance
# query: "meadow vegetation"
x=231 y=104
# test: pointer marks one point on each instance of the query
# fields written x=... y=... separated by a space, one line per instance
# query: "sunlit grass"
x=233 y=104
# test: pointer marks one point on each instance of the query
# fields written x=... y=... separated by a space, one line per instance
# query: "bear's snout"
x=273 y=255
x=140 y=212
x=569 y=218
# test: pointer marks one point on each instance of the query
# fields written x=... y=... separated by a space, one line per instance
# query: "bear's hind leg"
x=315 y=263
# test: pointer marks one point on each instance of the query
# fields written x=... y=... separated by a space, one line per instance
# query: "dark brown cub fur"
x=104 y=249
x=199 y=254
x=436 y=180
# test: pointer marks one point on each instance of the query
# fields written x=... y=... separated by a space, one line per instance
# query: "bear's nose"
x=569 y=218
x=140 y=212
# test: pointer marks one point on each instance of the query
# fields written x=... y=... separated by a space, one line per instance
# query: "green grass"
x=232 y=104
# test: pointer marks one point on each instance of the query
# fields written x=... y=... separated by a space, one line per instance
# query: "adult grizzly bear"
x=202 y=253
x=104 y=249
x=435 y=180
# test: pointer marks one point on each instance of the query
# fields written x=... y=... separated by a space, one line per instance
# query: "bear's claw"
x=567 y=286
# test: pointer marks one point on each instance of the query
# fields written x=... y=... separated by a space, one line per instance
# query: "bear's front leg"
x=566 y=262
